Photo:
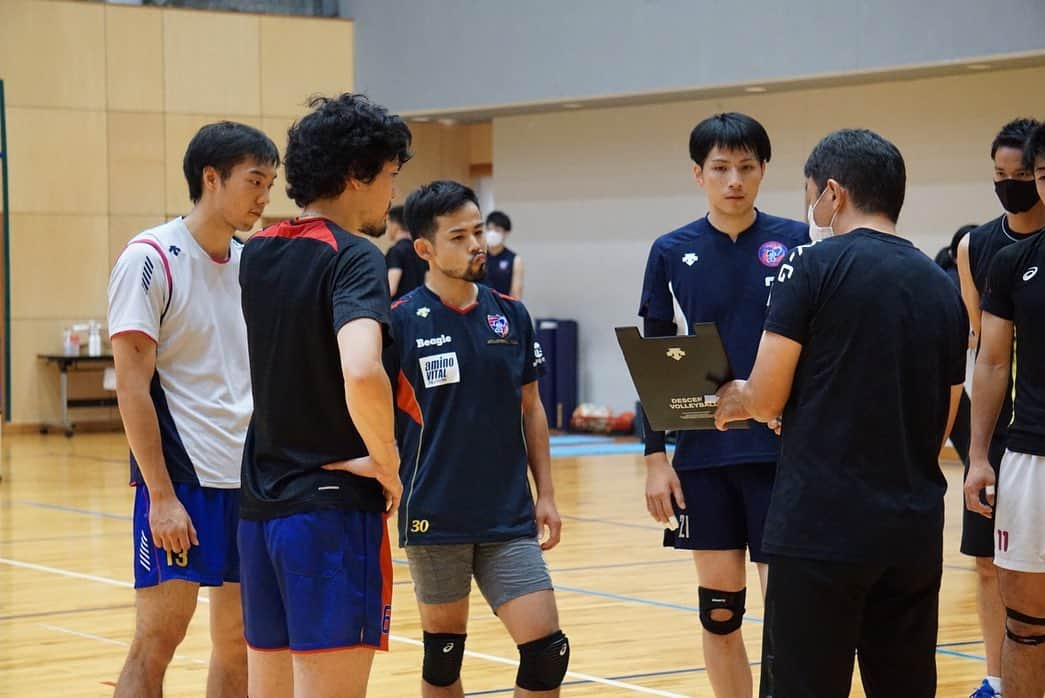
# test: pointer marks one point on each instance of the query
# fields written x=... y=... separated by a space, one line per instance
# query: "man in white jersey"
x=183 y=384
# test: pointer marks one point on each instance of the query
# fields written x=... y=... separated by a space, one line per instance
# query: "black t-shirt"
x=984 y=243
x=1016 y=292
x=303 y=281
x=401 y=255
x=883 y=335
x=463 y=456
x=500 y=268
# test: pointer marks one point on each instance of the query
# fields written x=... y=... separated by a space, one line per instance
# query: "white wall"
x=588 y=191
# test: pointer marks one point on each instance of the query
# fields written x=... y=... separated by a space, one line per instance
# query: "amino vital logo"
x=440 y=369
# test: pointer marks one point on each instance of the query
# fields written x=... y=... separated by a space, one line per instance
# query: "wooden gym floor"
x=629 y=606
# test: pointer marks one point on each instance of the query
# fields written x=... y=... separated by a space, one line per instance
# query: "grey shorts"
x=504 y=570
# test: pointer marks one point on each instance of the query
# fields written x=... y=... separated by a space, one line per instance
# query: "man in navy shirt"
x=864 y=353
x=719 y=269
x=470 y=422
x=1014 y=315
x=504 y=268
x=320 y=466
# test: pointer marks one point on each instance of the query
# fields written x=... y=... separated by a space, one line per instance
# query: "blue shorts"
x=215 y=514
x=321 y=580
x=725 y=509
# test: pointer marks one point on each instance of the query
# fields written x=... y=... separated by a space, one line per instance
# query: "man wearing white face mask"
x=504 y=268
x=864 y=353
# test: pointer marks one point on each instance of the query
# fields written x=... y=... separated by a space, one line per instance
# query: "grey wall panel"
x=420 y=55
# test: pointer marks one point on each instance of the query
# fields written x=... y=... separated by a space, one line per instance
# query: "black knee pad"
x=714 y=600
x=1029 y=620
x=444 y=653
x=542 y=663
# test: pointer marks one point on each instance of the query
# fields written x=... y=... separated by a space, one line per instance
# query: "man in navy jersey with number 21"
x=719 y=268
x=469 y=423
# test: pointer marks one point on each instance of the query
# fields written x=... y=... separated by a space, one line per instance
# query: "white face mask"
x=816 y=232
x=494 y=238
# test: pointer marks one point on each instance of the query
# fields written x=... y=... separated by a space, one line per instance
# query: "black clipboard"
x=677 y=377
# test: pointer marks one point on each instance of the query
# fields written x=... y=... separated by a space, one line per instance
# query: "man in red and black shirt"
x=320 y=467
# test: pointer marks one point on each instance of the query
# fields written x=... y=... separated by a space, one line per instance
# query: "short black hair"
x=869 y=167
x=947 y=257
x=1014 y=135
x=344 y=136
x=395 y=215
x=500 y=219
x=729 y=131
x=223 y=145
x=437 y=198
x=1035 y=147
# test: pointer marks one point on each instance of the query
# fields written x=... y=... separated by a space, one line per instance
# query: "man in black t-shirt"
x=864 y=354
x=406 y=271
x=1023 y=217
x=1014 y=313
x=320 y=466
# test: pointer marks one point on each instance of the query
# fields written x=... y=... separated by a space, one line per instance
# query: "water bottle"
x=94 y=339
x=70 y=343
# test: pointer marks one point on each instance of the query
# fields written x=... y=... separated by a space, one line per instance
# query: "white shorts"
x=1019 y=517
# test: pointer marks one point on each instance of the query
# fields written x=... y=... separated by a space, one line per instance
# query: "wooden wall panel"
x=134 y=58
x=211 y=63
x=52 y=54
x=301 y=57
x=59 y=266
x=136 y=163
x=58 y=161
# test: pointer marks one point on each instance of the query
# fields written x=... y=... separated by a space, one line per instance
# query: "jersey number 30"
x=419 y=526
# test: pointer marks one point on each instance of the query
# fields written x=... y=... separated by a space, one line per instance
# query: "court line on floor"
x=74 y=510
x=610 y=522
x=110 y=641
x=595 y=450
x=571 y=439
x=398 y=638
x=589 y=592
x=626 y=677
x=68 y=612
x=71 y=536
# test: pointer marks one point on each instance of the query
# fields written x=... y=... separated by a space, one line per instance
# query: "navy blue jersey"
x=500 y=268
x=714 y=279
x=459 y=419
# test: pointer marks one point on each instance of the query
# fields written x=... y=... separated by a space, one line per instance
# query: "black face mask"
x=1017 y=195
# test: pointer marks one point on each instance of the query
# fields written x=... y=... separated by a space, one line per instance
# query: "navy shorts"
x=725 y=509
x=215 y=516
x=321 y=580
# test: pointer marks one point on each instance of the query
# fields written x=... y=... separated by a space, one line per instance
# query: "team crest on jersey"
x=423 y=312
x=772 y=253
x=499 y=324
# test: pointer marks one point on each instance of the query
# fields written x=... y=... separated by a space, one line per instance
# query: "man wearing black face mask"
x=1024 y=216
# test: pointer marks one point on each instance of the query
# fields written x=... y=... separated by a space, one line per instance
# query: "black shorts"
x=821 y=615
x=977 y=530
x=725 y=509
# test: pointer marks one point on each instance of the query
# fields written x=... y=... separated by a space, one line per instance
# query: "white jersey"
x=166 y=286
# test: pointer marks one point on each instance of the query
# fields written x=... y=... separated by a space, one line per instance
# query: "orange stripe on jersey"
x=386 y=585
x=406 y=399
x=505 y=295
